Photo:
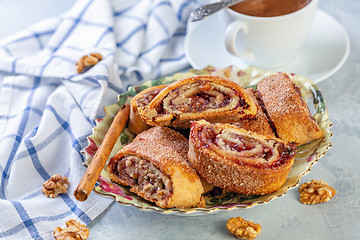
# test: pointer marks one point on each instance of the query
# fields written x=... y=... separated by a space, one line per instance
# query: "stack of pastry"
x=240 y=140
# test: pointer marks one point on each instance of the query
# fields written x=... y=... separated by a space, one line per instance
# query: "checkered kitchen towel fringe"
x=47 y=110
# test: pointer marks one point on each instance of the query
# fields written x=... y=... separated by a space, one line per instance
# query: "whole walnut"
x=55 y=185
x=242 y=228
x=316 y=191
x=88 y=61
x=73 y=231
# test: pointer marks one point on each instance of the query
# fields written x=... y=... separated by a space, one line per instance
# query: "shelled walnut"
x=242 y=228
x=55 y=185
x=316 y=191
x=73 y=231
x=88 y=61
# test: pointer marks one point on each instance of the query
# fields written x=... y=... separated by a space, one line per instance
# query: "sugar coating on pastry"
x=286 y=109
x=238 y=160
x=167 y=136
x=156 y=171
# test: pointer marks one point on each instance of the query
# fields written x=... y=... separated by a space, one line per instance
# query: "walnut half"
x=55 y=185
x=316 y=191
x=73 y=231
x=242 y=228
x=88 y=61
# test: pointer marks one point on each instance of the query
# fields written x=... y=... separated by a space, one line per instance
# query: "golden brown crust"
x=287 y=110
x=167 y=136
x=260 y=122
x=136 y=124
x=184 y=189
x=231 y=169
x=201 y=97
x=138 y=104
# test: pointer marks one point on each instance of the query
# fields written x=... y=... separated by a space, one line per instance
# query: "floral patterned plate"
x=306 y=155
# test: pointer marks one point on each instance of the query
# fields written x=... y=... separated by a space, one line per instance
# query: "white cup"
x=267 y=42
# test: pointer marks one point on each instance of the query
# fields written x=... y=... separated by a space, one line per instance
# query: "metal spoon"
x=206 y=10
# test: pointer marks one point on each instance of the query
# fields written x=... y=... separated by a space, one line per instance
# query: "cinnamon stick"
x=93 y=171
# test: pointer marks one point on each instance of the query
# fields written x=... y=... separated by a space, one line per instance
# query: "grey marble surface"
x=284 y=217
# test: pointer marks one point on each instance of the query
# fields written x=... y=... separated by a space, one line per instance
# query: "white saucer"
x=324 y=52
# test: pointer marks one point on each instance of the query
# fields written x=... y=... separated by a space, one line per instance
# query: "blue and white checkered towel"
x=47 y=110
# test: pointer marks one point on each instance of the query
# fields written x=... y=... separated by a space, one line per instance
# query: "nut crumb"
x=316 y=191
x=88 y=61
x=242 y=228
x=55 y=185
x=73 y=231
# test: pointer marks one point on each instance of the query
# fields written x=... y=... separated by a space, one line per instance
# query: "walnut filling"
x=238 y=145
x=200 y=97
x=145 y=177
x=147 y=98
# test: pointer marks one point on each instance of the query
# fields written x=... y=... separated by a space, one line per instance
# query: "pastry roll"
x=138 y=104
x=260 y=122
x=156 y=171
x=237 y=160
x=174 y=140
x=201 y=97
x=287 y=110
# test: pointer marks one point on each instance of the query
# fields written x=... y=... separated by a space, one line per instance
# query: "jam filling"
x=199 y=97
x=148 y=97
x=241 y=146
x=244 y=144
x=201 y=102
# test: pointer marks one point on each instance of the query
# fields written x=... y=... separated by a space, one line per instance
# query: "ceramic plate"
x=324 y=52
x=306 y=155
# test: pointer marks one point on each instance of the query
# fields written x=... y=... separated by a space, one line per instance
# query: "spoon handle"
x=206 y=10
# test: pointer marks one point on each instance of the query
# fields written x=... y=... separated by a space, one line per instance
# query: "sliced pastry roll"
x=173 y=139
x=287 y=110
x=201 y=97
x=138 y=104
x=237 y=160
x=156 y=170
x=260 y=123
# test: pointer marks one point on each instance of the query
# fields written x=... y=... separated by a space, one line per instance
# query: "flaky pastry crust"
x=138 y=104
x=287 y=110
